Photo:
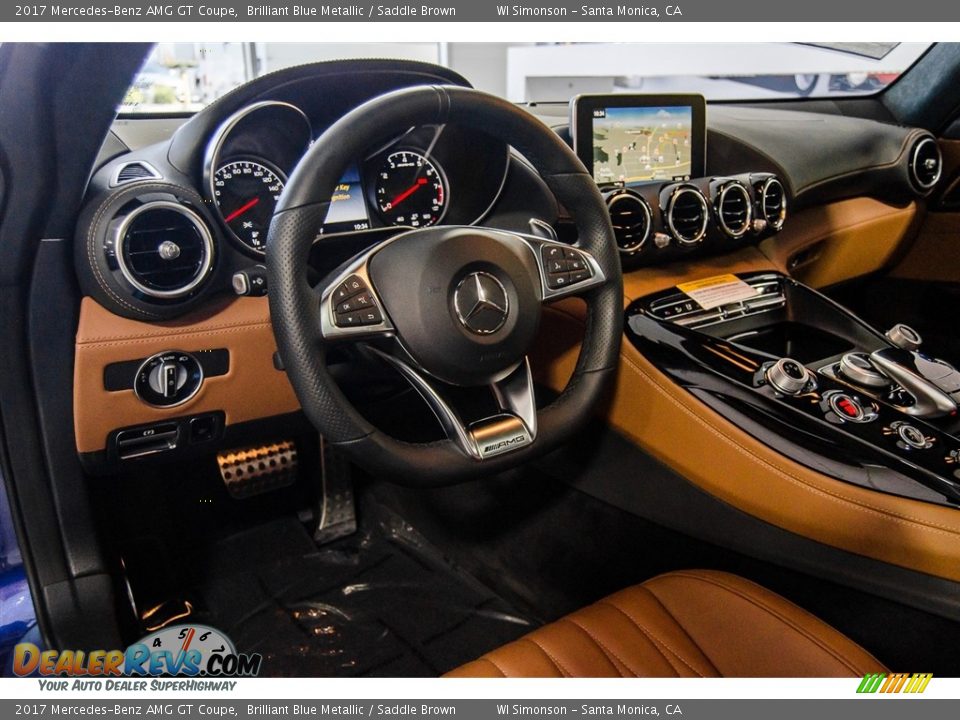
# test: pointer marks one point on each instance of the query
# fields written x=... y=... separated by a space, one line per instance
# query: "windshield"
x=184 y=77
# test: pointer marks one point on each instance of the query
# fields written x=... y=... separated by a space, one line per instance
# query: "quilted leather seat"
x=694 y=623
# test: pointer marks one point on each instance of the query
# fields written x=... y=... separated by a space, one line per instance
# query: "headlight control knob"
x=168 y=378
x=789 y=376
x=904 y=337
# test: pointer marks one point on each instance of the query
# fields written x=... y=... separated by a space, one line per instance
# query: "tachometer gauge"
x=410 y=190
x=246 y=193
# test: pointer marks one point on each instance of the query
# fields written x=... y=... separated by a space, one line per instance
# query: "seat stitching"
x=681 y=627
x=487 y=658
x=541 y=648
x=610 y=654
x=836 y=653
x=653 y=639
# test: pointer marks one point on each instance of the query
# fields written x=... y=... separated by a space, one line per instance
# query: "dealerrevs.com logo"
x=180 y=650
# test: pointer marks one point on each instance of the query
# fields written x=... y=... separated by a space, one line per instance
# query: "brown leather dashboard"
x=252 y=388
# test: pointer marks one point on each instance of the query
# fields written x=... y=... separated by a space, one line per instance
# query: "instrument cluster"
x=409 y=182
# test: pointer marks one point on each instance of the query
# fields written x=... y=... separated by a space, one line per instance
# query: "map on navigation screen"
x=640 y=144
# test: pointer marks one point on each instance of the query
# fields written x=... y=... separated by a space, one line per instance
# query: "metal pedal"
x=338 y=517
x=256 y=470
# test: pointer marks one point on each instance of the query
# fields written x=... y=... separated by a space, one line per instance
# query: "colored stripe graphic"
x=896 y=683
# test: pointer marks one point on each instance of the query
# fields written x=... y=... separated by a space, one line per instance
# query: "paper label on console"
x=718 y=290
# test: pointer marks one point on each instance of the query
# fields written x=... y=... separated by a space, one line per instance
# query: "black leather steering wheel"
x=456 y=304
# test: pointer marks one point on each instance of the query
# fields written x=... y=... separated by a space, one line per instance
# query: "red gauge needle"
x=408 y=192
x=241 y=210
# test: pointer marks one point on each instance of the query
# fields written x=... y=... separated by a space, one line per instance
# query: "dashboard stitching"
x=141 y=339
x=904 y=147
x=896 y=517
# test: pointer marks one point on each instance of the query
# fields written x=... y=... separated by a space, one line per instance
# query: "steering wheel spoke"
x=351 y=308
x=512 y=428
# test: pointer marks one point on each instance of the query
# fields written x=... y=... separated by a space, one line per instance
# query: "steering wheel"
x=445 y=304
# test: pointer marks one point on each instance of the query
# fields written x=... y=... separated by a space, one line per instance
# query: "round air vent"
x=687 y=215
x=773 y=203
x=164 y=249
x=926 y=163
x=734 y=211
x=631 y=219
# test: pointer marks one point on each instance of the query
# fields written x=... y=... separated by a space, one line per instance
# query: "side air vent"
x=734 y=210
x=773 y=203
x=164 y=249
x=926 y=164
x=132 y=171
x=631 y=219
x=687 y=215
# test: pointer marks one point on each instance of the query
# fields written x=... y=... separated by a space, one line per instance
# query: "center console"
x=811 y=380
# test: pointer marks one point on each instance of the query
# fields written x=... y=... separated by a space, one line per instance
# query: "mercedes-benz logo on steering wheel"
x=481 y=303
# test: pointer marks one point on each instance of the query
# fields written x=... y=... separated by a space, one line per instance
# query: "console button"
x=847 y=408
x=910 y=436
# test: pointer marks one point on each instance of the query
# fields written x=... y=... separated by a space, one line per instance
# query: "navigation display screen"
x=348 y=209
x=633 y=139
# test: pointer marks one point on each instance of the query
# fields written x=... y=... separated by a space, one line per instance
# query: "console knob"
x=856 y=366
x=788 y=376
x=904 y=337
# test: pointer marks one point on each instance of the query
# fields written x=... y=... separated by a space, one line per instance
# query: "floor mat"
x=383 y=602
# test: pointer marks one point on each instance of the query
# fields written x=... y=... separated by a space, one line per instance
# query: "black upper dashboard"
x=168 y=224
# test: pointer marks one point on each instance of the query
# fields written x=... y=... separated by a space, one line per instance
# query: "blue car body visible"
x=17 y=615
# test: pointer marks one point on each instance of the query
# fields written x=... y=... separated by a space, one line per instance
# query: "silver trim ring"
x=198 y=223
x=913 y=163
x=671 y=206
x=782 y=215
x=648 y=214
x=748 y=204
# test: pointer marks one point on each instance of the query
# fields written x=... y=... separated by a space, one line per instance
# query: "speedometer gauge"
x=410 y=190
x=246 y=193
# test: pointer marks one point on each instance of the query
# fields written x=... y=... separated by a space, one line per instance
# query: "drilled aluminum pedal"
x=338 y=517
x=256 y=470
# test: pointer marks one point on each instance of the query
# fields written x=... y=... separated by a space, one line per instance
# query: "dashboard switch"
x=168 y=379
x=251 y=281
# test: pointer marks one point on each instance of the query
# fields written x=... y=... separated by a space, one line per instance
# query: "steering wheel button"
x=348 y=288
x=556 y=266
x=370 y=316
x=359 y=302
x=555 y=281
x=579 y=276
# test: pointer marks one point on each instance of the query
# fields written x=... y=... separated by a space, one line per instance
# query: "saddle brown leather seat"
x=694 y=623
